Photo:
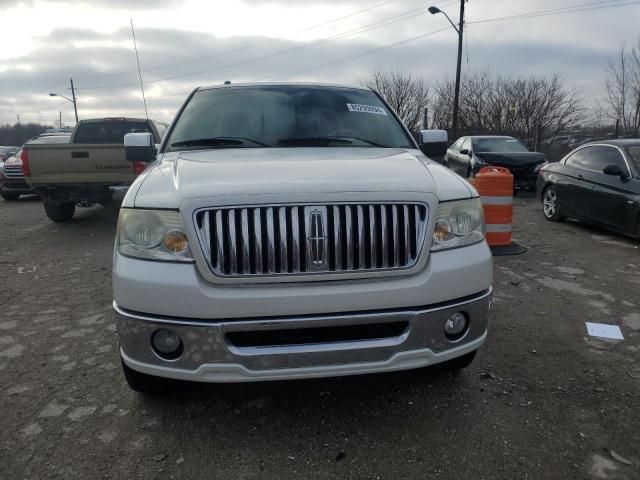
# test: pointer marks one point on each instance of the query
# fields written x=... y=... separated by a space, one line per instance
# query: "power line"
x=252 y=45
x=361 y=54
x=558 y=11
x=380 y=23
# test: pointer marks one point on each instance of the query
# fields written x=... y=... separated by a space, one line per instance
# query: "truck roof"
x=112 y=119
x=283 y=84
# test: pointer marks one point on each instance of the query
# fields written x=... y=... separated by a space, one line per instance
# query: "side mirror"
x=139 y=147
x=613 y=170
x=433 y=143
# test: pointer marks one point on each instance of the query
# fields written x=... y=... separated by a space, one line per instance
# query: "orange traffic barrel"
x=495 y=186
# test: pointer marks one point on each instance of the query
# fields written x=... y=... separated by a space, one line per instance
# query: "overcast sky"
x=187 y=43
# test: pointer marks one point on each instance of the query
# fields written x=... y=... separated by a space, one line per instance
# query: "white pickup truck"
x=291 y=231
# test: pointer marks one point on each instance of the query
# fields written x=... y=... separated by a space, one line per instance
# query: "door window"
x=599 y=156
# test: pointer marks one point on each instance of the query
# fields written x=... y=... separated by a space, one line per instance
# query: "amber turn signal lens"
x=175 y=241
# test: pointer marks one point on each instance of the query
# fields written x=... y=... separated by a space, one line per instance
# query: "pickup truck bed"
x=87 y=170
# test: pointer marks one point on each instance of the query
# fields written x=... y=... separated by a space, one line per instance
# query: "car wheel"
x=59 y=212
x=10 y=196
x=143 y=383
x=551 y=205
x=460 y=363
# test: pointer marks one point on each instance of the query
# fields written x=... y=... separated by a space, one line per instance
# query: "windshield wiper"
x=361 y=140
x=217 y=142
x=313 y=141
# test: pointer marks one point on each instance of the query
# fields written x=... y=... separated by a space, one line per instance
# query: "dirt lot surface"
x=543 y=400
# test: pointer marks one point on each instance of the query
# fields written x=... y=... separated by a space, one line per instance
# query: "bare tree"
x=407 y=95
x=530 y=108
x=622 y=101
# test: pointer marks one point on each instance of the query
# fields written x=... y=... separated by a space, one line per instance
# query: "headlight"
x=458 y=224
x=152 y=235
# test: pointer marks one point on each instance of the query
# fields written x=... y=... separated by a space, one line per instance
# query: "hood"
x=511 y=159
x=265 y=171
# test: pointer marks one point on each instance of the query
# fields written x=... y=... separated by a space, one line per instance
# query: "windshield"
x=51 y=139
x=634 y=153
x=108 y=131
x=286 y=116
x=506 y=145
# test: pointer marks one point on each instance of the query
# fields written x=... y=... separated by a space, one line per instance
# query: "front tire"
x=59 y=212
x=143 y=383
x=551 y=205
x=10 y=196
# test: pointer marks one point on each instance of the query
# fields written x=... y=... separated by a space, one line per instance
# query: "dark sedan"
x=469 y=154
x=598 y=183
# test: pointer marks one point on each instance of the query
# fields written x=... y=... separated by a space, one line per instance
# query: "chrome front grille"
x=13 y=171
x=308 y=239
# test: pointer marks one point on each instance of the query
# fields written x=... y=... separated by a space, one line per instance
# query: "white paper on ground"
x=604 y=331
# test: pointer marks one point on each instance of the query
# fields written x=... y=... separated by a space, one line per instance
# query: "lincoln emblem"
x=316 y=238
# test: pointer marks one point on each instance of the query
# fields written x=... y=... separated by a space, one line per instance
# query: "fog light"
x=455 y=326
x=167 y=344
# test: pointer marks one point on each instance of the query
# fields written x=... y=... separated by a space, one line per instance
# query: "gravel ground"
x=542 y=400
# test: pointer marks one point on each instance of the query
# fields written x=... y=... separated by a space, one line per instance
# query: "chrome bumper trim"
x=209 y=356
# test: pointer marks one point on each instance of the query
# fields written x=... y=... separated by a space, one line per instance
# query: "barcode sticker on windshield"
x=356 y=107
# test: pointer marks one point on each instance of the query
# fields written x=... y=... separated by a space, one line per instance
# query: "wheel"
x=10 y=196
x=460 y=363
x=59 y=212
x=143 y=383
x=551 y=205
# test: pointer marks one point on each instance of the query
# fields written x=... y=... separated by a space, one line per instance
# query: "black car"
x=598 y=183
x=469 y=154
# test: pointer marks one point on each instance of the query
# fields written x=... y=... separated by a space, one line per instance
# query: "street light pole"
x=459 y=30
x=456 y=98
x=72 y=99
x=75 y=107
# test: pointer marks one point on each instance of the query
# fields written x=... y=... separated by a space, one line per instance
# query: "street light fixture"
x=72 y=100
x=459 y=30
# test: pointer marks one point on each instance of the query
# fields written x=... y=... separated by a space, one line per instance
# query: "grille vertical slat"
x=284 y=249
x=271 y=257
x=337 y=226
x=406 y=237
x=295 y=241
x=298 y=239
x=362 y=247
x=348 y=221
x=396 y=236
x=257 y=240
x=384 y=230
x=373 y=235
x=233 y=245
x=244 y=239
x=220 y=263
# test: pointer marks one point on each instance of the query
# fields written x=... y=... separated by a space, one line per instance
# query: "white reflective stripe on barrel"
x=498 y=227
x=488 y=200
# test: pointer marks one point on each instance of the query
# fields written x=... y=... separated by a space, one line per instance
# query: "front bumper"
x=213 y=354
x=14 y=185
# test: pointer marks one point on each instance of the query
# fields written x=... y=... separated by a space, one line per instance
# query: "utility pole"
x=73 y=95
x=456 y=97
x=18 y=119
x=60 y=119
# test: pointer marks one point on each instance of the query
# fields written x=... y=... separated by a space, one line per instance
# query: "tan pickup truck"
x=91 y=168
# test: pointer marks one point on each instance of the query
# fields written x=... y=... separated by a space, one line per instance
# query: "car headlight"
x=152 y=235
x=458 y=224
